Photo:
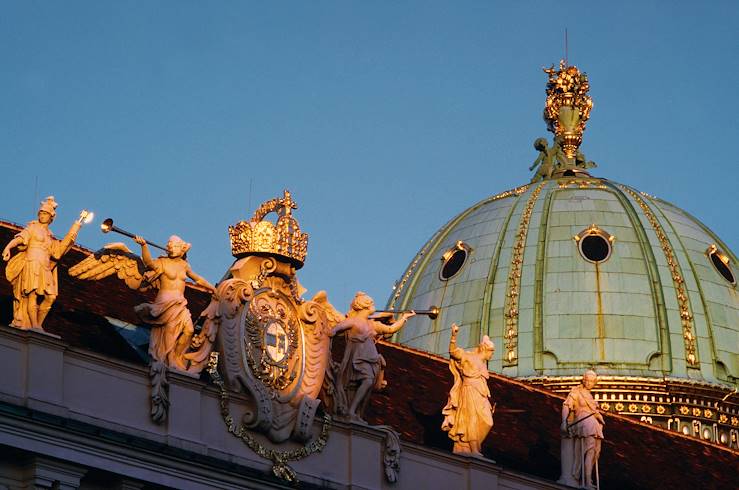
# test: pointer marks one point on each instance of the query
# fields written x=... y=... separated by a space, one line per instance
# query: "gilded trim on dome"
x=691 y=351
x=581 y=184
x=674 y=404
x=398 y=288
x=510 y=335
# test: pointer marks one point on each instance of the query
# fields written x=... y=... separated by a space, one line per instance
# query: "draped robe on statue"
x=33 y=269
x=468 y=414
x=172 y=327
x=586 y=434
x=361 y=361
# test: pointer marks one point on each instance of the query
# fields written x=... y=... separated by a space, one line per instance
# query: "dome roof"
x=579 y=272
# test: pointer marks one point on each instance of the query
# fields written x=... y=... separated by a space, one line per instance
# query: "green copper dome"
x=579 y=272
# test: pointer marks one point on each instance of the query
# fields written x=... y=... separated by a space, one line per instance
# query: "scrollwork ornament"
x=390 y=453
x=295 y=290
x=159 y=397
x=279 y=459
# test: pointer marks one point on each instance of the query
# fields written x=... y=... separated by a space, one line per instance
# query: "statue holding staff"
x=582 y=434
x=468 y=415
x=33 y=270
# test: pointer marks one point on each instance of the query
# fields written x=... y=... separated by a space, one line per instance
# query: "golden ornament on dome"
x=568 y=106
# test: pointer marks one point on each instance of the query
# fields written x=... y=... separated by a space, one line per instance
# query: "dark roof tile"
x=525 y=436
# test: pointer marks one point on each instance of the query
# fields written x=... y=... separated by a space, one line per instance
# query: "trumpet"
x=432 y=312
x=107 y=226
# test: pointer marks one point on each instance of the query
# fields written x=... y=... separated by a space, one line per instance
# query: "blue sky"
x=384 y=119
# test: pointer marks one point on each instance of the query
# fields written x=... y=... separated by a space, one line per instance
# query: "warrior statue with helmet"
x=33 y=270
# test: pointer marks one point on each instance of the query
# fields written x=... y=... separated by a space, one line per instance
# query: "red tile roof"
x=526 y=432
x=525 y=436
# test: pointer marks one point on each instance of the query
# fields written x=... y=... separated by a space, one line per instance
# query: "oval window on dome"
x=594 y=244
x=721 y=263
x=453 y=260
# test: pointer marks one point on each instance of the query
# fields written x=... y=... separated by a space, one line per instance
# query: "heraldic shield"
x=270 y=343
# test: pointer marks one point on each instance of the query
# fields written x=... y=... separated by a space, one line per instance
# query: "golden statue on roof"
x=566 y=111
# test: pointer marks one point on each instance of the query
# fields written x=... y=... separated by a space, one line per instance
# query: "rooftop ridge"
x=551 y=394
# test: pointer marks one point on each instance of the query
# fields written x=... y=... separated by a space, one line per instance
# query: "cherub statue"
x=550 y=159
x=468 y=415
x=172 y=327
x=33 y=270
x=361 y=368
x=545 y=160
x=582 y=434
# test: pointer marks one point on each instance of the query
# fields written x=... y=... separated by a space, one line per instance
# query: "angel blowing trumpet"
x=173 y=343
x=168 y=274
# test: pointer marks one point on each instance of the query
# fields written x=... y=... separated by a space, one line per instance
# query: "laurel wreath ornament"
x=279 y=459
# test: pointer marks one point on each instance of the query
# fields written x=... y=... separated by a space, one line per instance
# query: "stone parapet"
x=76 y=409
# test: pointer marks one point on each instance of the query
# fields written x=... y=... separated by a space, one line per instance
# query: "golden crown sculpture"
x=261 y=236
x=568 y=105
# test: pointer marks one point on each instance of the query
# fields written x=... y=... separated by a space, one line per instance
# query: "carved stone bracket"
x=390 y=452
x=159 y=395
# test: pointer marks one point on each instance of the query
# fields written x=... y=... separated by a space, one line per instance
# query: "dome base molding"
x=703 y=410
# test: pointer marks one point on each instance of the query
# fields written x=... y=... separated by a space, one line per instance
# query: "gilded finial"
x=287 y=203
x=568 y=106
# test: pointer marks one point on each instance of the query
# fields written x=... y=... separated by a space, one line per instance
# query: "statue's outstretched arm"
x=454 y=351
x=391 y=329
x=68 y=240
x=145 y=253
x=538 y=161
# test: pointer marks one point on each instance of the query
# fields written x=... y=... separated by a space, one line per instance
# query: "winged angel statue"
x=173 y=343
